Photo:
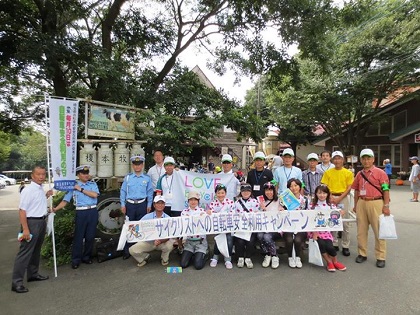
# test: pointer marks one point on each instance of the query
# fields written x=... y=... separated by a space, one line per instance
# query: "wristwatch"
x=82 y=189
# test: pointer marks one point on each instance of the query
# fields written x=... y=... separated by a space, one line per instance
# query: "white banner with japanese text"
x=63 y=116
x=273 y=221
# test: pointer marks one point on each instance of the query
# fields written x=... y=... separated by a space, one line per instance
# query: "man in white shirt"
x=32 y=214
x=325 y=162
x=227 y=165
x=157 y=170
x=165 y=185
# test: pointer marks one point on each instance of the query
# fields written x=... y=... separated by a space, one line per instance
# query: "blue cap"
x=83 y=168
x=137 y=159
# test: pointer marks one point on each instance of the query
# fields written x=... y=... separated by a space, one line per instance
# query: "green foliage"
x=187 y=113
x=372 y=54
x=4 y=147
x=26 y=150
x=64 y=231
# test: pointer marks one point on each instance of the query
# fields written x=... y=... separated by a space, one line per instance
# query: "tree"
x=112 y=50
x=4 y=147
x=375 y=53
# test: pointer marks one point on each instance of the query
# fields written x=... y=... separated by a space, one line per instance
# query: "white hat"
x=259 y=155
x=169 y=160
x=337 y=153
x=159 y=198
x=367 y=152
x=194 y=194
x=312 y=156
x=227 y=158
x=137 y=159
x=82 y=168
x=288 y=151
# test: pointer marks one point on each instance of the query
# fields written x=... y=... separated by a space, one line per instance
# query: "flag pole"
x=52 y=214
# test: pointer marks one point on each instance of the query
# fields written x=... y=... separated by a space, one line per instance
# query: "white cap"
x=312 y=156
x=367 y=152
x=194 y=194
x=137 y=159
x=288 y=151
x=159 y=198
x=82 y=168
x=169 y=160
x=227 y=158
x=337 y=153
x=259 y=155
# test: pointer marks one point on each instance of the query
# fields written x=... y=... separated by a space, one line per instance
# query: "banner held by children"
x=273 y=221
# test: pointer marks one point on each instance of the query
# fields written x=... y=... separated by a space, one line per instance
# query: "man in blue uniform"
x=136 y=195
x=85 y=197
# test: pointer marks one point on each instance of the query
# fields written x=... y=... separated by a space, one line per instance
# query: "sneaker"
x=338 y=265
x=331 y=267
x=164 y=262
x=292 y=263
x=274 y=262
x=298 y=262
x=213 y=262
x=240 y=262
x=228 y=265
x=248 y=263
x=267 y=261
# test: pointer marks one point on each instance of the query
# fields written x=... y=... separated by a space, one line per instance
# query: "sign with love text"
x=184 y=182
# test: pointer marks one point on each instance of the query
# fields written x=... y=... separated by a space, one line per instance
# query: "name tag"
x=256 y=187
x=169 y=196
x=362 y=192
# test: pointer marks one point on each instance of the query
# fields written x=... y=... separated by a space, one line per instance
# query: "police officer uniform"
x=86 y=219
x=136 y=195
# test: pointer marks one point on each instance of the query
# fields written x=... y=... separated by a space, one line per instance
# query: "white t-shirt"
x=33 y=201
x=414 y=172
x=155 y=172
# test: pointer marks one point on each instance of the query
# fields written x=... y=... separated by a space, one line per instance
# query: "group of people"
x=322 y=186
x=149 y=196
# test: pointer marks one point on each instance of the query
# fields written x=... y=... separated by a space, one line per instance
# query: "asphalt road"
x=120 y=287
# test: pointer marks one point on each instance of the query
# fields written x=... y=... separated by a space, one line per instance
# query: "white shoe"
x=274 y=262
x=266 y=262
x=240 y=262
x=298 y=263
x=213 y=262
x=248 y=263
x=292 y=263
x=228 y=265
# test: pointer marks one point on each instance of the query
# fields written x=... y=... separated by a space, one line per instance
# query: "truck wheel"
x=110 y=217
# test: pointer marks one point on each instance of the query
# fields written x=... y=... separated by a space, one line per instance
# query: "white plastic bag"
x=315 y=256
x=387 y=229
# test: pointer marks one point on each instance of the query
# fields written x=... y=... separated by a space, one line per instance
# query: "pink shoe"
x=330 y=267
x=338 y=265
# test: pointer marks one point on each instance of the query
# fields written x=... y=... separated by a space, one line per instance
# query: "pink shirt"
x=376 y=176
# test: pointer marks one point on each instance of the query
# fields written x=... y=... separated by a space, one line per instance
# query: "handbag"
x=387 y=229
x=315 y=256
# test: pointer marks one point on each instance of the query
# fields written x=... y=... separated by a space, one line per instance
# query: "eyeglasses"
x=220 y=186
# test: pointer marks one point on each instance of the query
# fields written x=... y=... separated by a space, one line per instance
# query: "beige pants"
x=368 y=213
x=141 y=250
x=345 y=236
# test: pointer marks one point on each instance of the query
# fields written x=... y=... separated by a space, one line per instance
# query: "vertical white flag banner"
x=63 y=140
